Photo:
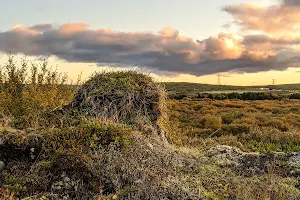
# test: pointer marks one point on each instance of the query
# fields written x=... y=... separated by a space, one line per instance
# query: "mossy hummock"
x=127 y=97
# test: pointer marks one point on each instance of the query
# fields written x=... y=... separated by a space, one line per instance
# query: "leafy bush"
x=295 y=96
x=213 y=122
x=25 y=94
x=228 y=118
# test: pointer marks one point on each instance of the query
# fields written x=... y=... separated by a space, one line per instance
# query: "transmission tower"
x=219 y=79
x=273 y=81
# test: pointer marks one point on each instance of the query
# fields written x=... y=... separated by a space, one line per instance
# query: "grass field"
x=267 y=125
x=52 y=150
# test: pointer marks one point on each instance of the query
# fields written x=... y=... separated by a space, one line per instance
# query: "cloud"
x=169 y=32
x=70 y=28
x=291 y=2
x=43 y=27
x=280 y=18
x=166 y=52
x=265 y=39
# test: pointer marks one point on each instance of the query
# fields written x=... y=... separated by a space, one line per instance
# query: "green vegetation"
x=180 y=90
x=105 y=140
x=26 y=94
x=267 y=125
x=128 y=97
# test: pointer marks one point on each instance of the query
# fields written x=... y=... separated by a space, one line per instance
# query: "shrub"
x=228 y=118
x=246 y=120
x=25 y=94
x=276 y=123
x=177 y=96
x=213 y=122
x=295 y=96
x=235 y=129
x=271 y=139
x=198 y=107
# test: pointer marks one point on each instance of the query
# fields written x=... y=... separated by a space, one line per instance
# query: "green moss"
x=128 y=97
x=68 y=148
x=17 y=183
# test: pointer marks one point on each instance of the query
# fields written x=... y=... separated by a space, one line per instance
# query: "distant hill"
x=287 y=86
x=192 y=89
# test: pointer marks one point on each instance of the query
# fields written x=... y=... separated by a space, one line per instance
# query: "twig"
x=214 y=133
x=35 y=162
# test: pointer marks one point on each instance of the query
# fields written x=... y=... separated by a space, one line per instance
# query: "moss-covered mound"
x=127 y=97
x=100 y=160
x=93 y=159
x=55 y=161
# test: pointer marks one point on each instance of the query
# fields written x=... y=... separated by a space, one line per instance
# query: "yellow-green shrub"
x=213 y=122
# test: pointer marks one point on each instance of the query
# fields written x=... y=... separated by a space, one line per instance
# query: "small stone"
x=150 y=145
x=294 y=161
x=2 y=165
x=138 y=181
x=63 y=174
x=66 y=179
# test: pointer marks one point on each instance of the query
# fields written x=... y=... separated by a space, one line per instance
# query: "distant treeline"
x=241 y=96
x=198 y=87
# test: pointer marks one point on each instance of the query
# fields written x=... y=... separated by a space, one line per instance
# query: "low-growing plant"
x=213 y=122
x=235 y=129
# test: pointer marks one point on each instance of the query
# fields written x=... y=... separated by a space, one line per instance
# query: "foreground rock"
x=253 y=164
x=2 y=165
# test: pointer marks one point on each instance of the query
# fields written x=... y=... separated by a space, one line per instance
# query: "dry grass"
x=262 y=125
x=28 y=89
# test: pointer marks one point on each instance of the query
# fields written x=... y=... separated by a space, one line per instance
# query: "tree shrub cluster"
x=237 y=95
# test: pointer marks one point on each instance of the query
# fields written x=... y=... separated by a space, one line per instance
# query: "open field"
x=193 y=89
x=150 y=100
x=118 y=137
x=262 y=125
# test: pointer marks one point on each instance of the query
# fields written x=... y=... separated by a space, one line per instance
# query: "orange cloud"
x=71 y=28
x=276 y=19
x=169 y=32
x=166 y=52
x=24 y=29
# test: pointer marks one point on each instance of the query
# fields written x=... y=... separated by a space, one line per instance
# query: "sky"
x=245 y=42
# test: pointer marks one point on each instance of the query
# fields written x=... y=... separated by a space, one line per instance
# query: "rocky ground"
x=253 y=164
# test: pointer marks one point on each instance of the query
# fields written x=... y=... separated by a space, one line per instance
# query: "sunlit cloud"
x=263 y=45
x=275 y=19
